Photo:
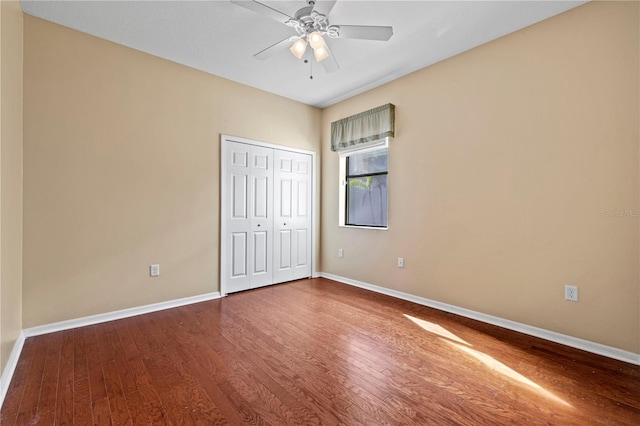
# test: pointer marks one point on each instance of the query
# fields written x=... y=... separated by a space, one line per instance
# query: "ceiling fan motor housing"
x=308 y=21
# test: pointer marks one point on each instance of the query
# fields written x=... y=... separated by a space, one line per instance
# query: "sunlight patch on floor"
x=495 y=365
x=436 y=329
x=490 y=362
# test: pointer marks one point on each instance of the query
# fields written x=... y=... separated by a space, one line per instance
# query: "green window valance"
x=361 y=130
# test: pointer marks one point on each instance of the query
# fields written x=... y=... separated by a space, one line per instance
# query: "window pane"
x=368 y=162
x=367 y=201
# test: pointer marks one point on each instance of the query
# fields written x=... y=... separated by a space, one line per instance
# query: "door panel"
x=286 y=165
x=301 y=243
x=303 y=200
x=237 y=201
x=261 y=193
x=262 y=216
x=284 y=254
x=302 y=166
x=261 y=159
x=285 y=198
x=239 y=254
x=240 y=158
x=260 y=265
x=239 y=196
x=292 y=251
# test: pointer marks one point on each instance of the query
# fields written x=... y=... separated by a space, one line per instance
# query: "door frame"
x=224 y=146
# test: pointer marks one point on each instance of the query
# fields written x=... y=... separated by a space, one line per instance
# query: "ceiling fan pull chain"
x=310 y=62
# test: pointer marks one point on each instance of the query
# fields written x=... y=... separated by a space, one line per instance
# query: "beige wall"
x=121 y=159
x=505 y=163
x=506 y=160
x=10 y=177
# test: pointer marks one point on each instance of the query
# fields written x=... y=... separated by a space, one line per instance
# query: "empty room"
x=343 y=212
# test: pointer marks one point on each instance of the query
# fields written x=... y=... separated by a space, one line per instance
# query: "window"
x=362 y=140
x=366 y=188
x=363 y=201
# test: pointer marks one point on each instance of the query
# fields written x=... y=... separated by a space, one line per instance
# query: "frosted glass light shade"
x=298 y=48
x=321 y=53
x=316 y=40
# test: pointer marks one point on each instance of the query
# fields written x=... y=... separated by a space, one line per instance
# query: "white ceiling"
x=221 y=38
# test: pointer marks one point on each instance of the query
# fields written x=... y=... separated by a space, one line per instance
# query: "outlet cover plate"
x=571 y=293
x=154 y=270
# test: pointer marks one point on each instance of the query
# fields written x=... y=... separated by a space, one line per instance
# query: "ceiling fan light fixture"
x=321 y=53
x=316 y=40
x=298 y=48
x=312 y=26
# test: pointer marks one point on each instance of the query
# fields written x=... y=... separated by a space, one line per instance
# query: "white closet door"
x=266 y=215
x=248 y=253
x=261 y=216
x=292 y=218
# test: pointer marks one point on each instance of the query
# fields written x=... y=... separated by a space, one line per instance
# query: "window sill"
x=379 y=228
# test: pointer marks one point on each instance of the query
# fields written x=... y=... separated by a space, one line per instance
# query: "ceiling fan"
x=312 y=25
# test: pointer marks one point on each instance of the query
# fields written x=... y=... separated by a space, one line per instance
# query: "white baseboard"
x=12 y=362
x=110 y=316
x=552 y=336
x=10 y=368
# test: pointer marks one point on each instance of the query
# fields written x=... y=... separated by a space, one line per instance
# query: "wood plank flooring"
x=313 y=352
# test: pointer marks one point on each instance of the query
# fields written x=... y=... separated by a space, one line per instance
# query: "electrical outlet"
x=571 y=293
x=401 y=262
x=340 y=253
x=154 y=270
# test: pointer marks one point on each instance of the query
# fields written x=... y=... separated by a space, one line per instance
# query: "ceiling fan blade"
x=365 y=32
x=329 y=63
x=324 y=7
x=275 y=48
x=263 y=9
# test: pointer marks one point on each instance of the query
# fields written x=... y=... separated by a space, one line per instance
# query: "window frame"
x=343 y=174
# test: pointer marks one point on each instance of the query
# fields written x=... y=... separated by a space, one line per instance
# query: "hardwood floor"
x=313 y=352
